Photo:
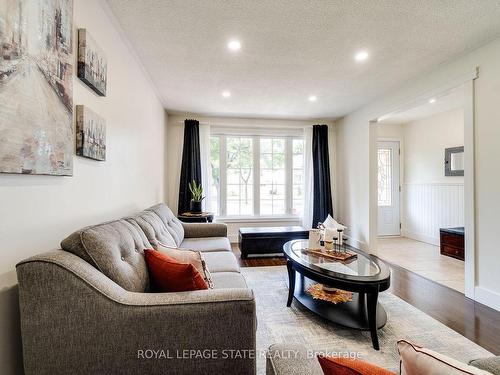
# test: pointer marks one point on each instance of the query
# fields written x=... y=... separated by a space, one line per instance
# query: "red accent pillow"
x=169 y=275
x=349 y=366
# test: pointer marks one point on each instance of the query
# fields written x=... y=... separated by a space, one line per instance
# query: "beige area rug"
x=280 y=324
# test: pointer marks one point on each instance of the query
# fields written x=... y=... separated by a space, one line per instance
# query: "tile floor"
x=423 y=259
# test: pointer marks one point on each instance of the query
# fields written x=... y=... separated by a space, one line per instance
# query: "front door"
x=388 y=188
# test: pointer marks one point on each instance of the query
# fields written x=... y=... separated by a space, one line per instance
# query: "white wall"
x=430 y=200
x=37 y=212
x=175 y=134
x=425 y=141
x=354 y=134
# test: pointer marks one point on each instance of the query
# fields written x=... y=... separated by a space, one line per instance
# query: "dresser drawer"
x=452 y=239
x=453 y=251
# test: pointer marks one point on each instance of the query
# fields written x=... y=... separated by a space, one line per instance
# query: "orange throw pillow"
x=349 y=366
x=169 y=275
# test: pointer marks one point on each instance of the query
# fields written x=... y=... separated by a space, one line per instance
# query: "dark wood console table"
x=268 y=240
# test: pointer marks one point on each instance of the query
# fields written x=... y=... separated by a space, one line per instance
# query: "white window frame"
x=222 y=199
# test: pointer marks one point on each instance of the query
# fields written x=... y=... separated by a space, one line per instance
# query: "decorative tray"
x=336 y=255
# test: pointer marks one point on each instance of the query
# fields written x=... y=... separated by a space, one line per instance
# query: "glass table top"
x=361 y=265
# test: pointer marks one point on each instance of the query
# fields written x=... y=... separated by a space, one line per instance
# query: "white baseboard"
x=421 y=237
x=487 y=297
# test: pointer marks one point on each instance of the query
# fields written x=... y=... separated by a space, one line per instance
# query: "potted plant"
x=196 y=196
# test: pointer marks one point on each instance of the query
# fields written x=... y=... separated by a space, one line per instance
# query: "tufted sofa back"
x=116 y=248
x=154 y=228
x=171 y=224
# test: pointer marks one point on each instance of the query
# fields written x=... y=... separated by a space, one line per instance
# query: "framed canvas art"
x=36 y=87
x=92 y=64
x=90 y=134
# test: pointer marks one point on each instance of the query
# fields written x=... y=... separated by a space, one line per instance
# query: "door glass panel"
x=384 y=177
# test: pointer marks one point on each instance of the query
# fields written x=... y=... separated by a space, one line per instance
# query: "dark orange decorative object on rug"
x=169 y=275
x=349 y=366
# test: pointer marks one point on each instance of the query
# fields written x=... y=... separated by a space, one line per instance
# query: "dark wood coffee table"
x=366 y=276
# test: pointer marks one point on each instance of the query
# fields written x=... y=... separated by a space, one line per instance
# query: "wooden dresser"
x=452 y=242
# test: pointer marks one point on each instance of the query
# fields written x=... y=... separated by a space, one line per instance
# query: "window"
x=384 y=176
x=239 y=173
x=256 y=175
x=215 y=180
x=297 y=176
x=272 y=176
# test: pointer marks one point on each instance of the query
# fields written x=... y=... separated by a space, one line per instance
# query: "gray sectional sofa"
x=88 y=309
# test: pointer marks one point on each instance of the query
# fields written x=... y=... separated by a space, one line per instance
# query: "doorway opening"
x=422 y=214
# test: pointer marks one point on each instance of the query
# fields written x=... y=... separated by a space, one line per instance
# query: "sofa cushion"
x=416 y=360
x=116 y=249
x=350 y=366
x=207 y=244
x=173 y=225
x=228 y=280
x=193 y=257
x=221 y=261
x=169 y=275
x=154 y=228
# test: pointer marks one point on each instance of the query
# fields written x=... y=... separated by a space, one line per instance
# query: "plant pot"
x=195 y=207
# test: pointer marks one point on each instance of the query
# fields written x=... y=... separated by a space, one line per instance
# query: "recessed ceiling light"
x=361 y=56
x=431 y=101
x=234 y=45
x=226 y=94
x=313 y=98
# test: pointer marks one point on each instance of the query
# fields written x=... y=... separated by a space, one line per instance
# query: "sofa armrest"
x=76 y=320
x=490 y=364
x=196 y=230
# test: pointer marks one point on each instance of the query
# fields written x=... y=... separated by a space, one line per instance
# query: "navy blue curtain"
x=191 y=163
x=322 y=196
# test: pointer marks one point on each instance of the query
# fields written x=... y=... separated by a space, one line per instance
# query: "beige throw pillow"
x=416 y=360
x=188 y=256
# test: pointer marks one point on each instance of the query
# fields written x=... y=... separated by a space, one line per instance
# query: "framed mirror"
x=454 y=161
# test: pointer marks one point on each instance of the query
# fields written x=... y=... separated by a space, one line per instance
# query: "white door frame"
x=467 y=81
x=396 y=185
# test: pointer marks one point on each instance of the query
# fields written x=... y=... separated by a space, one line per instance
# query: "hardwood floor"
x=471 y=319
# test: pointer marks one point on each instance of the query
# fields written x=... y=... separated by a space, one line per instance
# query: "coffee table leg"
x=372 y=299
x=291 y=282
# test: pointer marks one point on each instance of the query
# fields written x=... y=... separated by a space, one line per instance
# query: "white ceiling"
x=294 y=49
x=445 y=102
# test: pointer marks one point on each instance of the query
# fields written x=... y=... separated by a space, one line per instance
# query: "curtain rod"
x=201 y=122
x=258 y=125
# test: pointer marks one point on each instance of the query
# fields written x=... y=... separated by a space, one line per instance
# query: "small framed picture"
x=90 y=134
x=92 y=63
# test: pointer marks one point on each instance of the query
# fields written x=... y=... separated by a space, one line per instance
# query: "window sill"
x=257 y=219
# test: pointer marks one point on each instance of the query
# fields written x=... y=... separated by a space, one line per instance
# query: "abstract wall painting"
x=36 y=89
x=90 y=134
x=92 y=64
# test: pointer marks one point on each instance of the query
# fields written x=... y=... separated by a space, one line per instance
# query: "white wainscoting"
x=430 y=206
